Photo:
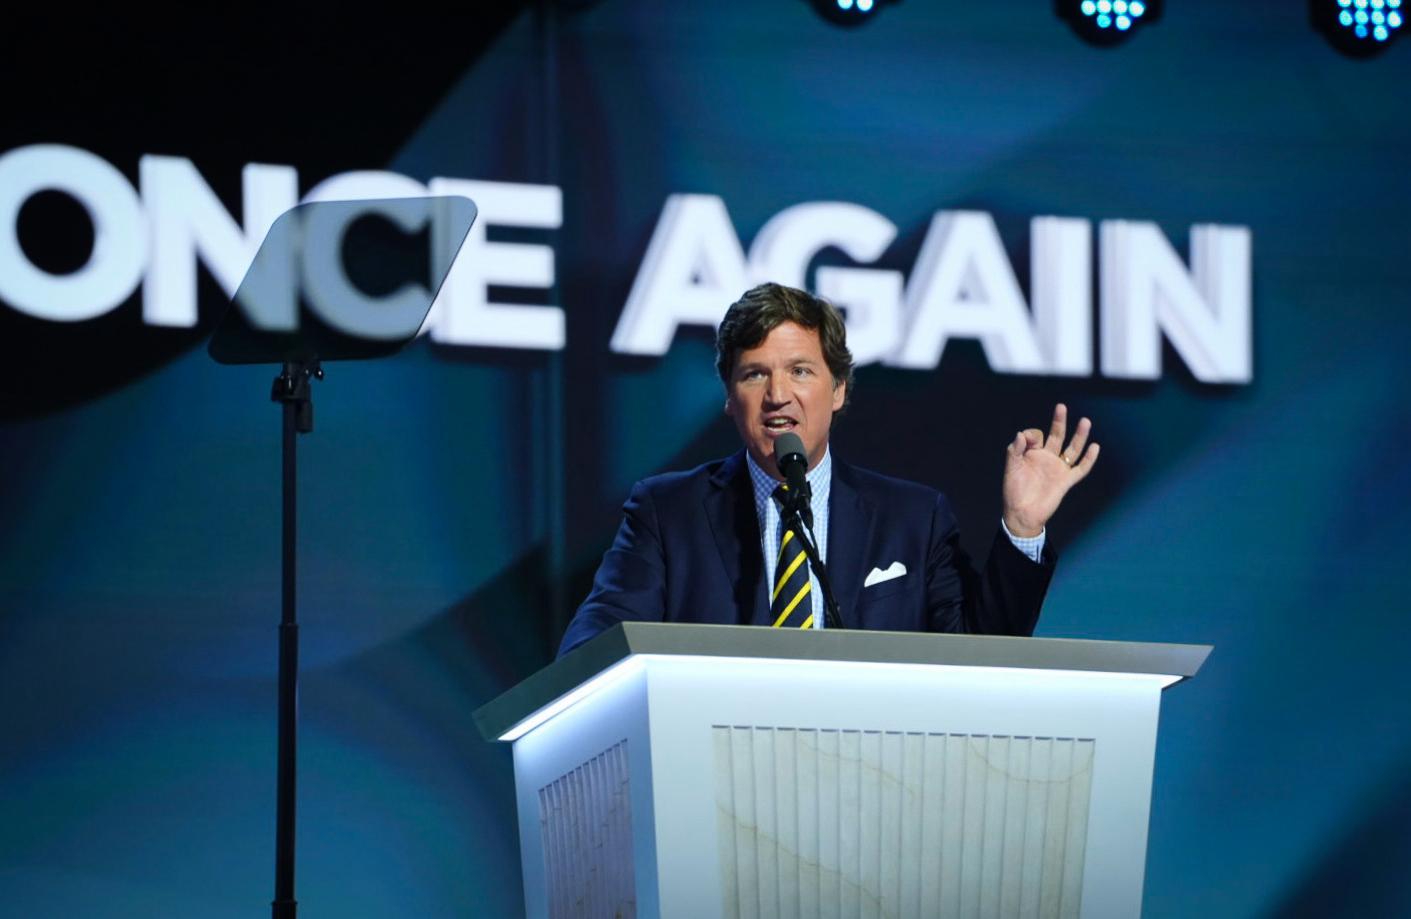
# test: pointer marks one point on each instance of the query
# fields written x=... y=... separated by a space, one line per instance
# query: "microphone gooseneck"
x=792 y=460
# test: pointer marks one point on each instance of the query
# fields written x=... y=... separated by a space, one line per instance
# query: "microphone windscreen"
x=786 y=444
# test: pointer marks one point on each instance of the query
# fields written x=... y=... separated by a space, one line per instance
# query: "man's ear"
x=840 y=395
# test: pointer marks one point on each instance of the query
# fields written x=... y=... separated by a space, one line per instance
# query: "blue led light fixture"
x=1358 y=28
x=1108 y=22
x=849 y=12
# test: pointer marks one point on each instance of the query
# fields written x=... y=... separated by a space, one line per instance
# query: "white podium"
x=732 y=771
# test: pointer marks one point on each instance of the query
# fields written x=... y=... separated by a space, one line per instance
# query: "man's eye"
x=803 y=371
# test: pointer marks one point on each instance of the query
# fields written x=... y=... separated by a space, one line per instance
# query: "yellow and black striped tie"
x=790 y=603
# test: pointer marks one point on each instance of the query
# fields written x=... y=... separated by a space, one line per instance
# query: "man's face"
x=783 y=385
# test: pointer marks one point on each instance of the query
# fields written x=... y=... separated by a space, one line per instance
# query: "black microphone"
x=789 y=455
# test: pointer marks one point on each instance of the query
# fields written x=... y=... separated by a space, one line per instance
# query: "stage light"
x=1358 y=28
x=1106 y=22
x=849 y=12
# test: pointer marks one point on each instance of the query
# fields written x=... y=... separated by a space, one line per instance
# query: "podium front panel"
x=739 y=787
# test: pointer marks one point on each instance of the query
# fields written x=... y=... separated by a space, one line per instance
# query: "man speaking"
x=726 y=542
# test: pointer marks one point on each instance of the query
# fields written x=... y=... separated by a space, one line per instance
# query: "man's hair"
x=763 y=309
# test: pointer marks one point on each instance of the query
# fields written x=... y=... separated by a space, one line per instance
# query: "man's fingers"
x=1080 y=440
x=1024 y=441
x=1058 y=429
x=1085 y=465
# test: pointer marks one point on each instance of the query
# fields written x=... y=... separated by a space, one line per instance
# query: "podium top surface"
x=626 y=639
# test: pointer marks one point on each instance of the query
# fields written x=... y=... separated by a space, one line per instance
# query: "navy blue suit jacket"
x=688 y=550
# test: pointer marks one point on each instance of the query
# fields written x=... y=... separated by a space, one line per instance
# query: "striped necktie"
x=790 y=603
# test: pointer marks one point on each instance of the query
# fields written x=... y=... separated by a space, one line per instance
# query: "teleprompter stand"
x=299 y=306
x=292 y=390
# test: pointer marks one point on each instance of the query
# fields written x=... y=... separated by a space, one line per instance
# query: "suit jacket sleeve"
x=631 y=581
x=1003 y=598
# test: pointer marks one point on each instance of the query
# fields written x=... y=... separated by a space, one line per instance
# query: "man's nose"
x=776 y=394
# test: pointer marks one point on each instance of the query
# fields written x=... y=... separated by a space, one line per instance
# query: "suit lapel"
x=849 y=538
x=734 y=523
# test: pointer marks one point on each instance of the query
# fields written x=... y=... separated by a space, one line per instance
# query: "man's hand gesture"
x=1038 y=472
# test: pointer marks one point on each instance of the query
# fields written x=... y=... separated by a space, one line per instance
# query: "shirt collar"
x=820 y=477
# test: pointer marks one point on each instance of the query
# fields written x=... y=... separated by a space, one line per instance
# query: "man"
x=709 y=545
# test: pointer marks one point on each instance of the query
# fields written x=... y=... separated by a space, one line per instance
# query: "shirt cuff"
x=1032 y=546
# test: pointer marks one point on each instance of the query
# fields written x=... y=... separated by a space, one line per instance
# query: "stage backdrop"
x=1197 y=238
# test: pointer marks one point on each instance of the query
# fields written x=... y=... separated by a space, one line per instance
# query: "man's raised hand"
x=1038 y=471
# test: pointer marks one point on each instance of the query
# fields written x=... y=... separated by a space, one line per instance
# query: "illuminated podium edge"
x=506 y=716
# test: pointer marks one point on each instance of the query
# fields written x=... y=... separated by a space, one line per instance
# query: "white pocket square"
x=877 y=575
